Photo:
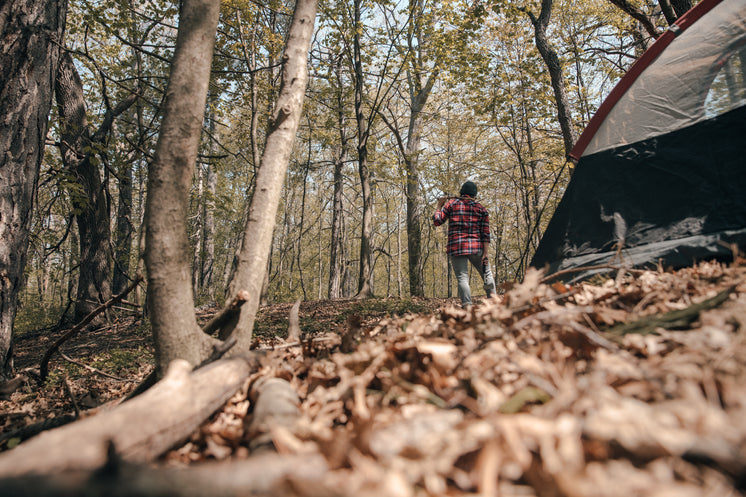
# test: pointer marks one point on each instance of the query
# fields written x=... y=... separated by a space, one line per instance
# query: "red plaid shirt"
x=468 y=225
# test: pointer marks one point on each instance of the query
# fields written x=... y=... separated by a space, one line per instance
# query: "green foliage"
x=35 y=316
x=122 y=362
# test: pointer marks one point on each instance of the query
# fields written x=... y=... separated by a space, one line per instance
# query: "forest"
x=404 y=102
x=189 y=168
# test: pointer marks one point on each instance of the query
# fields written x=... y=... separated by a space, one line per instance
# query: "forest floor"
x=630 y=385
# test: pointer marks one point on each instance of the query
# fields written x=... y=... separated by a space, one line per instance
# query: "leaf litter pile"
x=634 y=386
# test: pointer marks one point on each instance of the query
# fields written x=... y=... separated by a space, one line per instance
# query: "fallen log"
x=265 y=474
x=141 y=429
x=275 y=404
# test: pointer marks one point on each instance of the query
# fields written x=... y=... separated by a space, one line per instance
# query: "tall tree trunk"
x=364 y=287
x=124 y=227
x=335 y=263
x=419 y=92
x=208 y=191
x=554 y=67
x=208 y=233
x=252 y=260
x=167 y=253
x=89 y=202
x=419 y=95
x=30 y=38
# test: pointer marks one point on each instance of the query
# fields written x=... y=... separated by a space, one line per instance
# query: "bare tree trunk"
x=252 y=260
x=335 y=263
x=208 y=233
x=554 y=67
x=419 y=96
x=90 y=208
x=419 y=92
x=399 y=282
x=364 y=288
x=124 y=228
x=30 y=39
x=167 y=254
x=207 y=240
x=301 y=227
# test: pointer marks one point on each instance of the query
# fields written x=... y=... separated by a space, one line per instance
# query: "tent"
x=661 y=167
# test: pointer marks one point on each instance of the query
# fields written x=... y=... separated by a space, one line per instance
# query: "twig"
x=589 y=268
x=44 y=364
x=673 y=319
x=90 y=368
x=72 y=397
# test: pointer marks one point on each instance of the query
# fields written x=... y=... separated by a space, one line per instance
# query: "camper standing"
x=468 y=239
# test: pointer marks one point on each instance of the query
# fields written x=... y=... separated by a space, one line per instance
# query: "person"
x=468 y=238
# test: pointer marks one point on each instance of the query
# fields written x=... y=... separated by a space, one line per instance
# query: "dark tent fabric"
x=672 y=197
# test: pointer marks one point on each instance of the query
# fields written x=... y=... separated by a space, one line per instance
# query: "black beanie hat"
x=469 y=188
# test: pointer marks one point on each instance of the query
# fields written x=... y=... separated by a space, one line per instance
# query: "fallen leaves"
x=525 y=394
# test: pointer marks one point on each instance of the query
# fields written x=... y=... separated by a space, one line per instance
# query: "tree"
x=30 y=38
x=80 y=151
x=554 y=66
x=364 y=287
x=339 y=159
x=167 y=254
x=167 y=247
x=252 y=259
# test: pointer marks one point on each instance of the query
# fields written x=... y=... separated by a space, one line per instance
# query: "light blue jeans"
x=460 y=265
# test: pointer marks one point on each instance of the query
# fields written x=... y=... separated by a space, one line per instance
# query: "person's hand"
x=441 y=202
x=485 y=259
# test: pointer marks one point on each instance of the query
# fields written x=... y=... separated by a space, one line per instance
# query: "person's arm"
x=441 y=214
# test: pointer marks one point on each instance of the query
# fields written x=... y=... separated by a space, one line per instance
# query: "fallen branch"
x=141 y=429
x=675 y=319
x=565 y=272
x=264 y=474
x=225 y=320
x=44 y=364
x=90 y=368
x=275 y=404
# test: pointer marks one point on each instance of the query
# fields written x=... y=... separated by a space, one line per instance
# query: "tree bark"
x=335 y=263
x=207 y=262
x=90 y=208
x=637 y=14
x=141 y=429
x=30 y=37
x=265 y=475
x=418 y=98
x=554 y=67
x=167 y=254
x=124 y=228
x=364 y=286
x=254 y=254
